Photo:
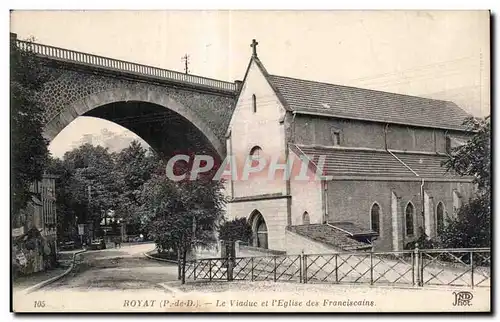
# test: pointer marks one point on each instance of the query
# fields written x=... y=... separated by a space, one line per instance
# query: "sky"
x=436 y=54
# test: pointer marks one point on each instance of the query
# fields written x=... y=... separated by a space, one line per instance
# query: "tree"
x=474 y=158
x=184 y=214
x=29 y=151
x=94 y=188
x=134 y=166
x=472 y=226
x=237 y=229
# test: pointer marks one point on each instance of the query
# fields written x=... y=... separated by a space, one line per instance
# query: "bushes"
x=237 y=229
x=471 y=228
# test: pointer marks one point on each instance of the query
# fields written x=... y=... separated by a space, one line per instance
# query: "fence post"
x=210 y=269
x=301 y=266
x=412 y=268
x=251 y=259
x=471 y=270
x=194 y=270
x=275 y=268
x=371 y=267
x=418 y=265
x=230 y=269
x=336 y=269
x=305 y=269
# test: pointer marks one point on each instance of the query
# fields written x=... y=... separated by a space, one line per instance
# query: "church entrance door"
x=262 y=234
x=259 y=229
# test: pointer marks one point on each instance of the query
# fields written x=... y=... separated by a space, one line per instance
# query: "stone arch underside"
x=72 y=93
x=141 y=111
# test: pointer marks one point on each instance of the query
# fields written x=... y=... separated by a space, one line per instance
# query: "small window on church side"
x=255 y=153
x=409 y=219
x=375 y=218
x=305 y=218
x=335 y=136
x=254 y=103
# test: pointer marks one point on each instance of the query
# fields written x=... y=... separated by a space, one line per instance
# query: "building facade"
x=34 y=232
x=373 y=162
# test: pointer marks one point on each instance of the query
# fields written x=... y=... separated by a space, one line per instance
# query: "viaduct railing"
x=67 y=55
x=444 y=267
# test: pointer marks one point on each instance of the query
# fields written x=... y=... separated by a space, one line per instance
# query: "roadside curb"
x=159 y=259
x=55 y=278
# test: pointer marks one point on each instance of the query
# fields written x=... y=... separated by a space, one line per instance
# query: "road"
x=125 y=268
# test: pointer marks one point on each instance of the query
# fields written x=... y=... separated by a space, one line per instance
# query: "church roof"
x=342 y=161
x=326 y=234
x=307 y=96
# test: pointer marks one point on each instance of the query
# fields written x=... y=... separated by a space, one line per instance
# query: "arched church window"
x=254 y=103
x=410 y=210
x=440 y=218
x=305 y=218
x=375 y=218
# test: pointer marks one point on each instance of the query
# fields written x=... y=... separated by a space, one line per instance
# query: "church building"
x=381 y=154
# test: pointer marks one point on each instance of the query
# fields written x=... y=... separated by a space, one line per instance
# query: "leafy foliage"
x=134 y=166
x=183 y=214
x=29 y=151
x=472 y=226
x=474 y=158
x=237 y=229
x=86 y=167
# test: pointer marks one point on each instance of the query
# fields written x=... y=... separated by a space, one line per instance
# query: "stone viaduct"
x=171 y=111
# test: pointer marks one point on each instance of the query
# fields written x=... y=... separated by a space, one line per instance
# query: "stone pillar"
x=239 y=85
x=432 y=216
x=237 y=248
x=397 y=224
x=220 y=244
x=427 y=214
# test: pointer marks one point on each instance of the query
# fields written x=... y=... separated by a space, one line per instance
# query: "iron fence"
x=456 y=267
x=276 y=268
x=452 y=267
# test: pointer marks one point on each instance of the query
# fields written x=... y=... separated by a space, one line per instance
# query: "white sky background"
x=437 y=54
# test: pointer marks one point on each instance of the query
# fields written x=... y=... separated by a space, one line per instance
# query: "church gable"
x=257 y=97
x=256 y=129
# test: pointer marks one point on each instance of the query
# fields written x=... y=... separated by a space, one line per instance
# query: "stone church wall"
x=306 y=197
x=352 y=201
x=313 y=130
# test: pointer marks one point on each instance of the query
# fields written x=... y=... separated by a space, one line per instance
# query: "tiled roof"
x=377 y=163
x=328 y=235
x=358 y=103
x=352 y=229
